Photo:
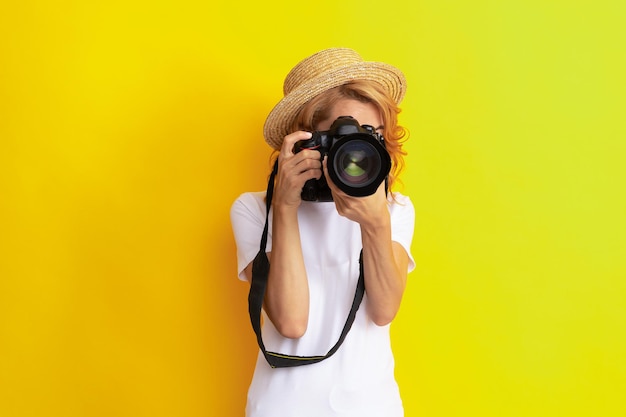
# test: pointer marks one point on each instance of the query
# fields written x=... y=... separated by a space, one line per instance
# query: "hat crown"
x=318 y=64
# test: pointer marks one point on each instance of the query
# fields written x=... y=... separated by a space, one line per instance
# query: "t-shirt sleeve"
x=403 y=224
x=247 y=216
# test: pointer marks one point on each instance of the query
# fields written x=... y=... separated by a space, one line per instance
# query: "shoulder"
x=401 y=207
x=397 y=197
x=256 y=198
x=249 y=202
x=400 y=202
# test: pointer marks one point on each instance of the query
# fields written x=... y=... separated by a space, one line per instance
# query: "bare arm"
x=287 y=293
x=385 y=266
x=385 y=262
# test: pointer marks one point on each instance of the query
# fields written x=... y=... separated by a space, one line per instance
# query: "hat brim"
x=278 y=122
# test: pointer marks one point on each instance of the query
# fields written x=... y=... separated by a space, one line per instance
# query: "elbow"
x=290 y=321
x=292 y=329
x=383 y=319
x=383 y=316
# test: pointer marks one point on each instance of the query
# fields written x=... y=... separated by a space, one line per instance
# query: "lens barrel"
x=358 y=163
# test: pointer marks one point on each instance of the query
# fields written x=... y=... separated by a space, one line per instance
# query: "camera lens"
x=358 y=164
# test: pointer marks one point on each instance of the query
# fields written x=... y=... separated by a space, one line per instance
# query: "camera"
x=357 y=159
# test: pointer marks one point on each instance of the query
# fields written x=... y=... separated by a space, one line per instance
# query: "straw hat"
x=320 y=72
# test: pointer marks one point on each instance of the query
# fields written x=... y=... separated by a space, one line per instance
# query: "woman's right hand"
x=294 y=169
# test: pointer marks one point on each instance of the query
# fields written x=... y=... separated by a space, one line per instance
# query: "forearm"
x=287 y=294
x=385 y=268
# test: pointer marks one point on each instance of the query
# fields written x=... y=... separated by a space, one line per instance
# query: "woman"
x=314 y=248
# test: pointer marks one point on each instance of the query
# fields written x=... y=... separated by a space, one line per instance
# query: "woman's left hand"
x=368 y=211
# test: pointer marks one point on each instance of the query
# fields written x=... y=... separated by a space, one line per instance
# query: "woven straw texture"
x=320 y=72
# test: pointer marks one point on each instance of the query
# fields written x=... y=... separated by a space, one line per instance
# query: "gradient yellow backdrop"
x=127 y=128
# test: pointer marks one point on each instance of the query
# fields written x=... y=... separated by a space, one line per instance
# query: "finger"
x=303 y=162
x=286 y=149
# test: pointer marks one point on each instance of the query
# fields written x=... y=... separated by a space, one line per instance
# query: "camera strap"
x=260 y=272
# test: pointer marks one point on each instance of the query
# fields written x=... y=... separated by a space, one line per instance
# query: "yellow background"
x=127 y=128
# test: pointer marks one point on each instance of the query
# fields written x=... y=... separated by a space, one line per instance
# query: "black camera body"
x=357 y=159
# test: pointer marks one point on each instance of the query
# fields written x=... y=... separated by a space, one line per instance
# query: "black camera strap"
x=260 y=272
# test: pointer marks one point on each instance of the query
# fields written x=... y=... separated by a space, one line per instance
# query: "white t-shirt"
x=358 y=380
